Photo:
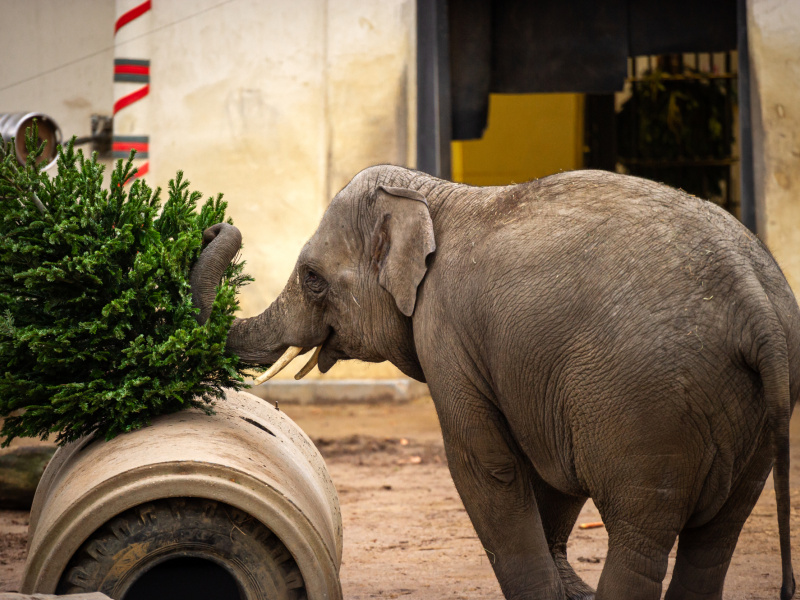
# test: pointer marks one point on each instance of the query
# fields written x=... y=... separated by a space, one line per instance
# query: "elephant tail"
x=771 y=360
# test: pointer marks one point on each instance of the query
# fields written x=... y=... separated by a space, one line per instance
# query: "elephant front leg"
x=494 y=481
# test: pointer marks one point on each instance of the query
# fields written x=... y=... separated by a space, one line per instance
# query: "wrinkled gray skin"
x=584 y=335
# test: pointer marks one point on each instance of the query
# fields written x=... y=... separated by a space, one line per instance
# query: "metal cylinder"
x=245 y=490
x=15 y=125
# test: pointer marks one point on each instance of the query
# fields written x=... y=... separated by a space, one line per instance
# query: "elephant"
x=584 y=335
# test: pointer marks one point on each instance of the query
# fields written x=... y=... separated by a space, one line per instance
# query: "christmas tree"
x=98 y=333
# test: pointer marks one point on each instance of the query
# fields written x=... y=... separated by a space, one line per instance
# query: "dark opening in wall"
x=677 y=124
x=185 y=578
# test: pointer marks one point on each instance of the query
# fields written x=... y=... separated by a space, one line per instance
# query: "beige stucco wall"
x=57 y=58
x=276 y=104
x=774 y=32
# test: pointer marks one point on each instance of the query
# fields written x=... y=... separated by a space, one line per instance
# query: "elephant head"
x=353 y=290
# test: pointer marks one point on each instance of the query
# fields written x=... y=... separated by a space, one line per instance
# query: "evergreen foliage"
x=98 y=333
x=676 y=128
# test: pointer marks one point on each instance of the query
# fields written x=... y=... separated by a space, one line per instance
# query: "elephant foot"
x=587 y=594
x=574 y=587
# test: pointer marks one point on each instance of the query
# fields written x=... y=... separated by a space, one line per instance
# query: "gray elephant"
x=585 y=335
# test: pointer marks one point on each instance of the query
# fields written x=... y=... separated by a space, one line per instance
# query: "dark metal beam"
x=746 y=176
x=433 y=89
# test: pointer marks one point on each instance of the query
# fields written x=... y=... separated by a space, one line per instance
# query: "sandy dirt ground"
x=406 y=533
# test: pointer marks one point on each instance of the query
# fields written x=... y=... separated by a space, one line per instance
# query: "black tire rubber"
x=133 y=542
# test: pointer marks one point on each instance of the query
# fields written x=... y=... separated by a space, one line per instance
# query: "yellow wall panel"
x=529 y=136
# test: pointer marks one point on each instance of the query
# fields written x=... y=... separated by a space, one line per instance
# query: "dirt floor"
x=406 y=534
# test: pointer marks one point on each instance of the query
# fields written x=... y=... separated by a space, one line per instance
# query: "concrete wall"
x=276 y=104
x=58 y=59
x=774 y=41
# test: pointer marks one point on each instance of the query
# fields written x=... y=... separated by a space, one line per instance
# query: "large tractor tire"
x=238 y=505
x=184 y=548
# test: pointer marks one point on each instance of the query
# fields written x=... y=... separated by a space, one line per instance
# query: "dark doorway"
x=185 y=578
x=676 y=123
x=470 y=49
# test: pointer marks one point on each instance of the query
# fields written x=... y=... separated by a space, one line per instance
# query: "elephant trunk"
x=255 y=339
x=223 y=241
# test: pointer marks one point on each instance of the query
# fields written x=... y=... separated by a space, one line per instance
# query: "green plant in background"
x=97 y=327
x=677 y=129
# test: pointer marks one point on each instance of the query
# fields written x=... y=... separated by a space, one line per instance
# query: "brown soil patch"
x=13 y=538
x=406 y=533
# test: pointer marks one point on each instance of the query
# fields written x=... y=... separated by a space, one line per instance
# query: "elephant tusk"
x=280 y=364
x=312 y=362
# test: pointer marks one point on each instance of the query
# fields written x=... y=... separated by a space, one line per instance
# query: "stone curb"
x=341 y=391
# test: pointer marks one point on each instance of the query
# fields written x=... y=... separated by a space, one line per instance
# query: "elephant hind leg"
x=704 y=552
x=700 y=565
x=493 y=479
x=559 y=512
x=636 y=564
x=639 y=540
x=575 y=588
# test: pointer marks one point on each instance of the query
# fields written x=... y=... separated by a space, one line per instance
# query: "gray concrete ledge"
x=340 y=391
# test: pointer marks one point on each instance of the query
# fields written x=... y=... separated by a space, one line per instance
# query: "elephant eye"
x=315 y=283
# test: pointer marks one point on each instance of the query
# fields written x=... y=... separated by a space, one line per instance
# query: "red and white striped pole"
x=132 y=82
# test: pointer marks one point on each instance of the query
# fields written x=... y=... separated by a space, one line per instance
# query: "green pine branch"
x=98 y=333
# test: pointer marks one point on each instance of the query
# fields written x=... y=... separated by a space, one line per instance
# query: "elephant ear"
x=401 y=241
